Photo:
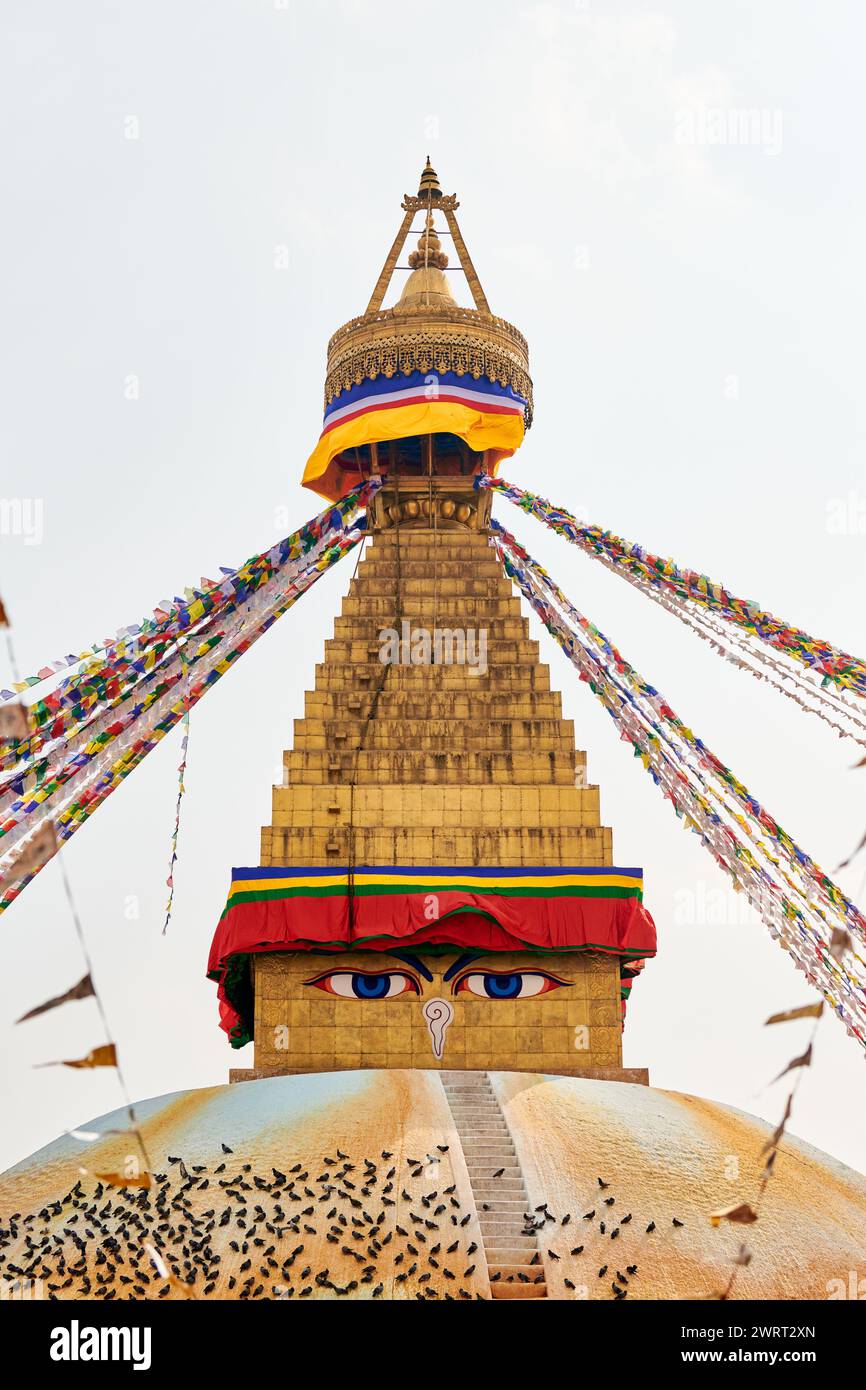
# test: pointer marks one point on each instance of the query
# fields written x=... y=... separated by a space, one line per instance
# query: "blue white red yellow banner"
x=483 y=413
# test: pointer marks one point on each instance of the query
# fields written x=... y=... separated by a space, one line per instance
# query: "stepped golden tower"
x=434 y=790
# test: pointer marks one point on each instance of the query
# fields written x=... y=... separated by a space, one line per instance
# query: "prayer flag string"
x=828 y=674
x=802 y=907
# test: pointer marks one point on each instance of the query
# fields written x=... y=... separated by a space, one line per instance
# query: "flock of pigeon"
x=197 y=1232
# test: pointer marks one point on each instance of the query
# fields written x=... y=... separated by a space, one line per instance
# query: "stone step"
x=480 y=1128
x=453 y=610
x=466 y=1103
x=507 y=1235
x=499 y=735
x=414 y=541
x=450 y=569
x=482 y=1177
x=443 y=767
x=367 y=630
x=469 y=1120
x=481 y=1172
x=422 y=805
x=370 y=583
x=480 y=1115
x=487 y=706
x=520 y=676
x=442 y=844
x=377 y=646
x=506 y=1292
x=479 y=1124
x=508 y=1207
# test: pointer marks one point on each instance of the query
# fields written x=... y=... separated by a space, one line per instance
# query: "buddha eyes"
x=358 y=984
x=521 y=984
x=390 y=984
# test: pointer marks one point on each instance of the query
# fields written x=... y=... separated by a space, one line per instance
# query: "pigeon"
x=602 y=1184
x=651 y=1227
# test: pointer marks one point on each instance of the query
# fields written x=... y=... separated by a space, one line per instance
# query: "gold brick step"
x=539 y=846
x=477 y=702
x=450 y=767
x=517 y=735
x=465 y=610
x=415 y=567
x=427 y=578
x=462 y=543
x=437 y=680
x=366 y=627
x=428 y=807
x=497 y=651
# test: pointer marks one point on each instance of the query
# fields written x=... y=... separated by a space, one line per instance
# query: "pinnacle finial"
x=429 y=249
x=429 y=185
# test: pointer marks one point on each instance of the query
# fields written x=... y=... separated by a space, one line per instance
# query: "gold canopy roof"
x=427 y=330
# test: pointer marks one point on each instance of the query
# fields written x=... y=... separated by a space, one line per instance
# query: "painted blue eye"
x=516 y=984
x=358 y=984
x=371 y=986
x=502 y=986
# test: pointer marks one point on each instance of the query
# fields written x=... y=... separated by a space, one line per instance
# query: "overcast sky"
x=196 y=195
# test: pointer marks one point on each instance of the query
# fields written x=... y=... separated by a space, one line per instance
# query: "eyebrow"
x=459 y=964
x=414 y=962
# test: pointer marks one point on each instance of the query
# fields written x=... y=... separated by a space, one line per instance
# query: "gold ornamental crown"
x=427 y=330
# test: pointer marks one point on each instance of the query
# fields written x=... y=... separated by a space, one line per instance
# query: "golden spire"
x=425 y=331
x=429 y=248
x=427 y=284
x=429 y=185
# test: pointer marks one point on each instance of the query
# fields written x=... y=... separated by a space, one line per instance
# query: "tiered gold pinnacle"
x=437 y=765
x=454 y=767
x=427 y=330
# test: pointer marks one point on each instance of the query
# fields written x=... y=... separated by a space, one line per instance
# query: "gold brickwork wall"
x=568 y=1030
x=450 y=766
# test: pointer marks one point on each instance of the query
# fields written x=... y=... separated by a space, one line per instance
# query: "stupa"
x=433 y=956
x=436 y=888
